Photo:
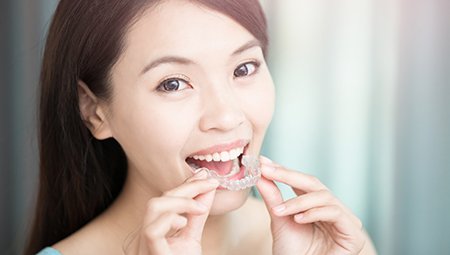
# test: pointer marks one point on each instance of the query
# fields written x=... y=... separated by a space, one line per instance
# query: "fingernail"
x=201 y=173
x=198 y=175
x=279 y=208
x=298 y=217
x=214 y=181
x=265 y=159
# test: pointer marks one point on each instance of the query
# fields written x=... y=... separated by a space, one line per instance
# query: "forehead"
x=185 y=28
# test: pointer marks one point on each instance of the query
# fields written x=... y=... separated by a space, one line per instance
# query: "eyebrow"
x=185 y=61
x=250 y=44
x=165 y=60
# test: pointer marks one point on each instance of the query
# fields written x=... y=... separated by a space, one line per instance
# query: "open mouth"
x=225 y=164
x=233 y=169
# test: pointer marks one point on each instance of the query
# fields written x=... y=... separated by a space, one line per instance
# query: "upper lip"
x=222 y=147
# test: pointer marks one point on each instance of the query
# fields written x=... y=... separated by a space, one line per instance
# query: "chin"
x=226 y=201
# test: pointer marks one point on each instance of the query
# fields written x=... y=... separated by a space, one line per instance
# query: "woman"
x=149 y=111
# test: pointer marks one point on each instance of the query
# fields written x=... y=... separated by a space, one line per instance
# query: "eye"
x=246 y=69
x=173 y=84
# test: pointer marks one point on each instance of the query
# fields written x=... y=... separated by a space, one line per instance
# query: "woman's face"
x=189 y=79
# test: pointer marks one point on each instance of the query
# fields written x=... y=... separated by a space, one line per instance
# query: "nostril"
x=221 y=115
x=220 y=122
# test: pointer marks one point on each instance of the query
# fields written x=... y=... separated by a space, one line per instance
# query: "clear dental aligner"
x=252 y=173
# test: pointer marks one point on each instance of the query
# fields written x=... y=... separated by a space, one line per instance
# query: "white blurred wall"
x=363 y=102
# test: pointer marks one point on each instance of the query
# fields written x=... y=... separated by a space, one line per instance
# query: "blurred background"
x=363 y=102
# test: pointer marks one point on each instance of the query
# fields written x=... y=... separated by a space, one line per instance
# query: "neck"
x=217 y=234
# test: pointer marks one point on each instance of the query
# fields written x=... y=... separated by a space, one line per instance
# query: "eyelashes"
x=174 y=83
x=246 y=69
x=181 y=82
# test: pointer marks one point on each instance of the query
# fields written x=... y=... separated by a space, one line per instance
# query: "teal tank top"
x=49 y=251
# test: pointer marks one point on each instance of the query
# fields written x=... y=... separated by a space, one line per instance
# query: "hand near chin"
x=314 y=222
x=174 y=222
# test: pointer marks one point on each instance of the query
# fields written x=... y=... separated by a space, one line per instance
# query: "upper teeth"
x=221 y=156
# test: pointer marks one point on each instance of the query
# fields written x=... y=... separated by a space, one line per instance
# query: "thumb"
x=272 y=197
x=196 y=223
x=270 y=193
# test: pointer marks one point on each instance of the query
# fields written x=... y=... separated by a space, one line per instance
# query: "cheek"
x=259 y=103
x=150 y=132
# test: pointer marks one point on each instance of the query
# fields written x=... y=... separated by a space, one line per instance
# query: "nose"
x=222 y=111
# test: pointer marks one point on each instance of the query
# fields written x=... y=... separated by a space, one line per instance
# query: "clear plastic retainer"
x=252 y=173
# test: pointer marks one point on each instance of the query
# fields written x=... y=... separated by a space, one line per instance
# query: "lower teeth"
x=252 y=173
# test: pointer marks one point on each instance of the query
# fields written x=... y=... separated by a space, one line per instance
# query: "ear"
x=93 y=112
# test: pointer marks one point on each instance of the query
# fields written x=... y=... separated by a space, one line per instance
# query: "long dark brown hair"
x=80 y=176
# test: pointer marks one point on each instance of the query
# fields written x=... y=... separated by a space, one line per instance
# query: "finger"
x=196 y=223
x=270 y=193
x=295 y=179
x=305 y=202
x=343 y=230
x=193 y=188
x=314 y=185
x=199 y=175
x=179 y=205
x=155 y=233
x=268 y=162
x=310 y=200
x=328 y=214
